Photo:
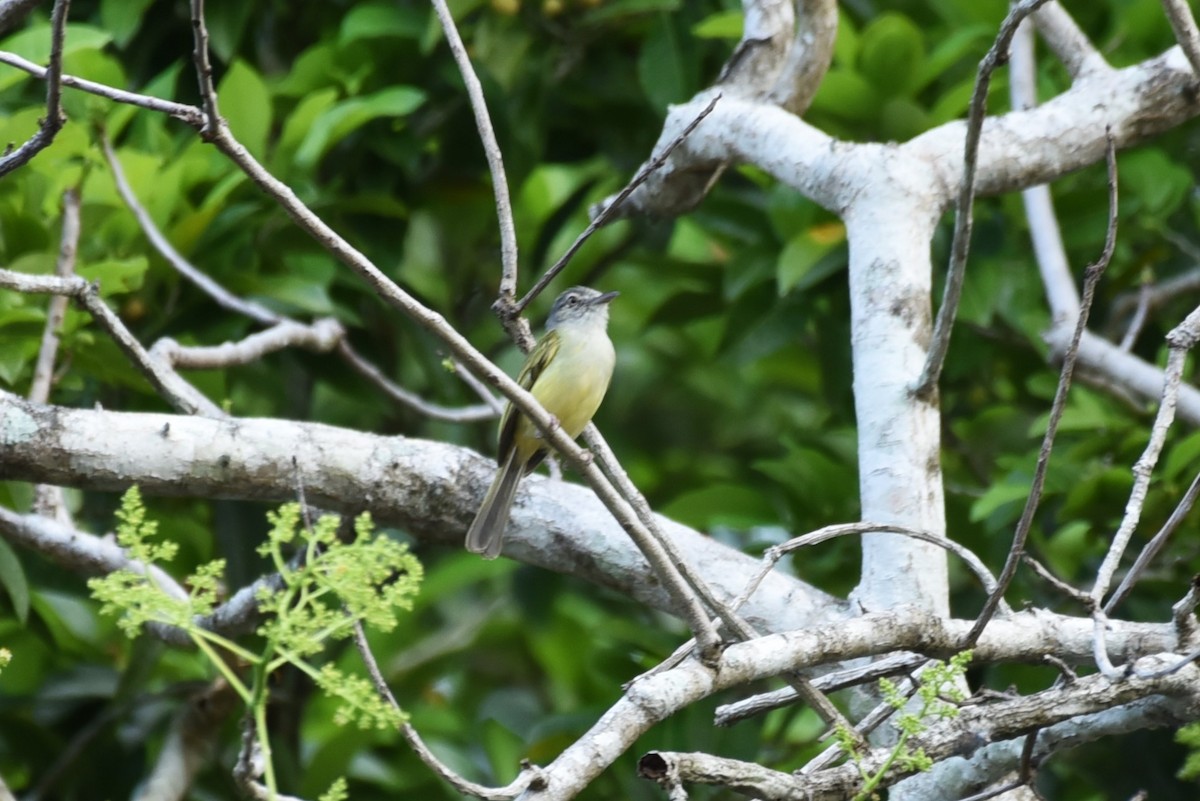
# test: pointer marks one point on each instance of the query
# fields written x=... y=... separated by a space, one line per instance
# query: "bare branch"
x=992 y=723
x=1091 y=279
x=76 y=550
x=1069 y=43
x=1043 y=572
x=225 y=299
x=963 y=211
x=606 y=212
x=204 y=73
x=412 y=400
x=321 y=337
x=1153 y=296
x=973 y=562
x=43 y=372
x=430 y=489
x=1154 y=546
x=189 y=743
x=177 y=392
x=14 y=11
x=47 y=499
x=491 y=149
x=52 y=123
x=1186 y=32
x=528 y=775
x=809 y=56
x=729 y=714
x=188 y=114
x=1145 y=296
x=1181 y=340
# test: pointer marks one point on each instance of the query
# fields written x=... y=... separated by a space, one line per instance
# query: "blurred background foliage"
x=731 y=408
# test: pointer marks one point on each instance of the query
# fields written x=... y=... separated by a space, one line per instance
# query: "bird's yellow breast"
x=572 y=386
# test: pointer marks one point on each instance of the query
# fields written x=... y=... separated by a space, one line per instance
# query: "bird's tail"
x=486 y=534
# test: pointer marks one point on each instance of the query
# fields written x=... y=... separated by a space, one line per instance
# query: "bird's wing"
x=545 y=350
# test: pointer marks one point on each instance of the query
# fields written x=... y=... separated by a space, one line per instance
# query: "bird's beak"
x=605 y=298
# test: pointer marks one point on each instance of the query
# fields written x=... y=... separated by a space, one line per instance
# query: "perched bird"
x=568 y=372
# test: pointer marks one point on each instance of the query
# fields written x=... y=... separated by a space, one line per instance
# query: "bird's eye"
x=572 y=300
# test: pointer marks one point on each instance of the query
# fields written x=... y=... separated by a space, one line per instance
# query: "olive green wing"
x=543 y=352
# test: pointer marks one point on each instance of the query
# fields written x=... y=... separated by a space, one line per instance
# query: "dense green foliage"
x=731 y=407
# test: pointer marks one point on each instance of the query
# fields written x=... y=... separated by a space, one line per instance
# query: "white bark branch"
x=430 y=489
x=653 y=698
x=1108 y=707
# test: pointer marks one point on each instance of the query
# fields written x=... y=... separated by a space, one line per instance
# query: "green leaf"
x=616 y=9
x=971 y=41
x=336 y=123
x=1183 y=456
x=33 y=43
x=998 y=495
x=733 y=505
x=1067 y=549
x=1155 y=180
x=892 y=54
x=902 y=119
x=122 y=18
x=661 y=68
x=422 y=260
x=299 y=123
x=12 y=578
x=848 y=96
x=313 y=69
x=382 y=20
x=246 y=105
x=117 y=276
x=803 y=262
x=721 y=25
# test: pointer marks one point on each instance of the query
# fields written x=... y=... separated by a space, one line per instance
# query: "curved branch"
x=429 y=489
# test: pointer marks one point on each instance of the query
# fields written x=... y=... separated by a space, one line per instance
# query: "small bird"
x=568 y=372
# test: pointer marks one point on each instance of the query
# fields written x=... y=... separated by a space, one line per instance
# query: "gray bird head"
x=580 y=304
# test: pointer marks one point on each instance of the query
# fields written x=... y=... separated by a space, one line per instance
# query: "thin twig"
x=685 y=602
x=185 y=113
x=1154 y=546
x=315 y=336
x=462 y=414
x=43 y=372
x=871 y=721
x=204 y=73
x=180 y=394
x=1091 y=279
x=1067 y=674
x=1145 y=296
x=52 y=123
x=478 y=387
x=418 y=746
x=729 y=714
x=491 y=149
x=1180 y=340
x=963 y=213
x=223 y=298
x=1054 y=581
x=610 y=211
